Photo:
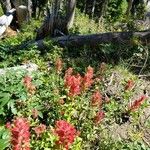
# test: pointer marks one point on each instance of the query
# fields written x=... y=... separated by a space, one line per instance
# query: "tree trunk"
x=129 y=7
x=70 y=13
x=93 y=8
x=22 y=11
x=30 y=8
x=34 y=8
x=55 y=23
x=6 y=5
x=88 y=10
x=102 y=10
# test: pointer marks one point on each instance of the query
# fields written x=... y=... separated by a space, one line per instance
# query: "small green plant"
x=11 y=92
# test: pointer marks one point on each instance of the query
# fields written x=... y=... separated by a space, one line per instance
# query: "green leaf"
x=5 y=99
x=3 y=144
x=11 y=105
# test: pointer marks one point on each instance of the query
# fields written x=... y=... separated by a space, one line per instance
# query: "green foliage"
x=46 y=141
x=4 y=138
x=83 y=25
x=1 y=11
x=11 y=90
x=116 y=10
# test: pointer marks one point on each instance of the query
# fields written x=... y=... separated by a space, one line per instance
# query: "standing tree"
x=59 y=18
x=93 y=8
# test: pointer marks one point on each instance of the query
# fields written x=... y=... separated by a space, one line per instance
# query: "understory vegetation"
x=87 y=98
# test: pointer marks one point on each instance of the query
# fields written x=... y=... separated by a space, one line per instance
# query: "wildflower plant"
x=66 y=134
x=137 y=103
x=20 y=134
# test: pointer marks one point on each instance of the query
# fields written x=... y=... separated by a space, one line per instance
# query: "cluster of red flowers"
x=65 y=132
x=137 y=103
x=75 y=83
x=129 y=85
x=58 y=65
x=99 y=116
x=88 y=78
x=20 y=135
x=72 y=82
x=39 y=129
x=27 y=81
x=96 y=99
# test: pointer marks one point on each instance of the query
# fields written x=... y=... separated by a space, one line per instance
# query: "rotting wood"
x=124 y=38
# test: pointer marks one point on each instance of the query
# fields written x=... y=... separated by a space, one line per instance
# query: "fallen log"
x=126 y=38
x=123 y=38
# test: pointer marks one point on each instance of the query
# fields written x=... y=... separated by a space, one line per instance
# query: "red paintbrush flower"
x=68 y=72
x=99 y=117
x=88 y=78
x=96 y=99
x=129 y=85
x=75 y=88
x=27 y=81
x=39 y=129
x=8 y=125
x=58 y=65
x=137 y=103
x=66 y=133
x=20 y=135
x=73 y=83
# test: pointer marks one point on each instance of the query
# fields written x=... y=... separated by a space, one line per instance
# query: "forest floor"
x=120 y=85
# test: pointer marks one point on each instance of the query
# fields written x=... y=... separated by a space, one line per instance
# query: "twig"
x=143 y=138
x=144 y=75
x=111 y=78
x=146 y=59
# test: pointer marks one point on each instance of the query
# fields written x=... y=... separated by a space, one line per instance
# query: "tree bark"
x=93 y=40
